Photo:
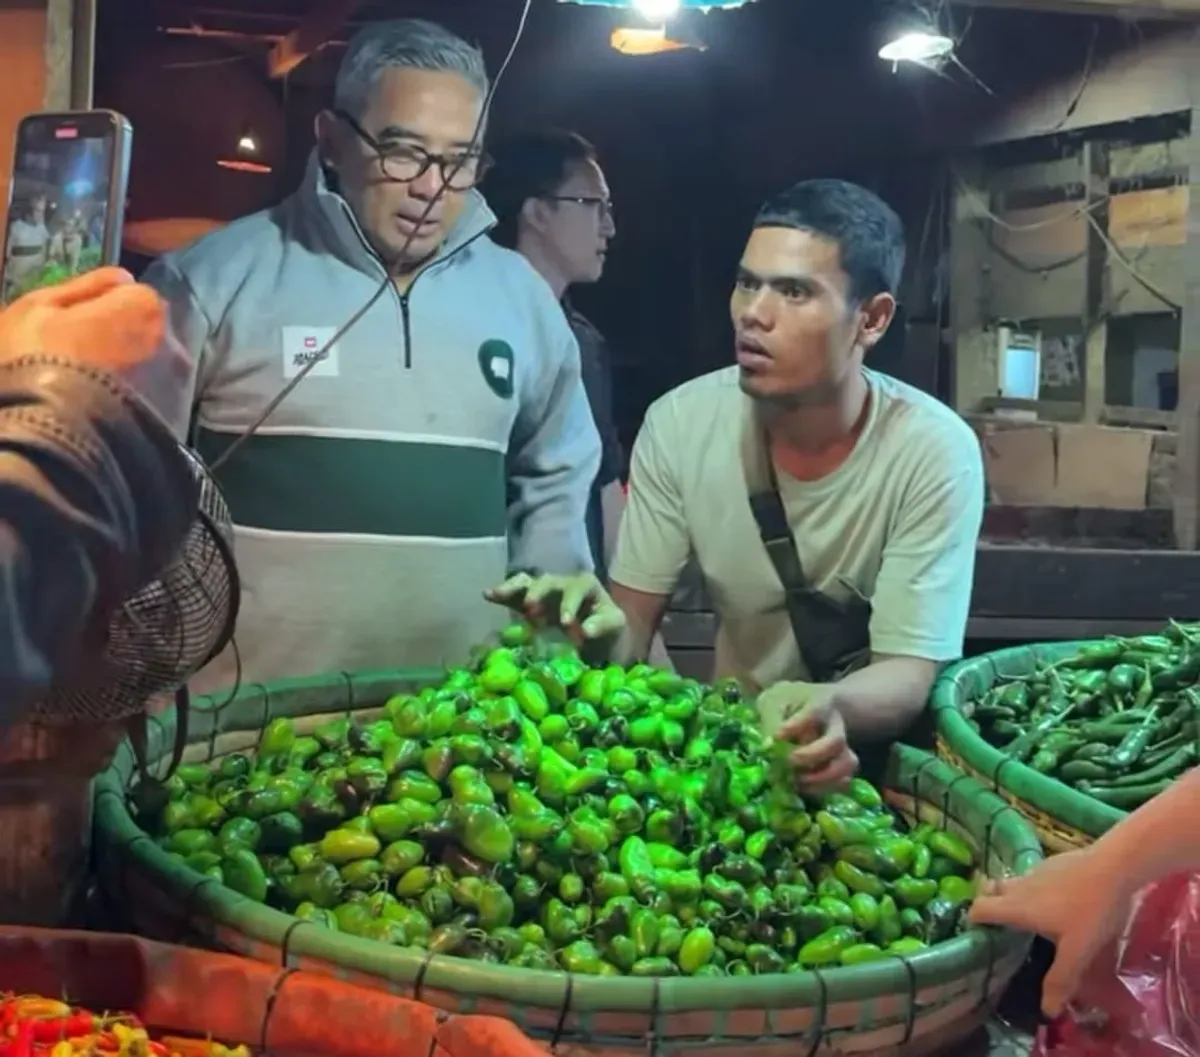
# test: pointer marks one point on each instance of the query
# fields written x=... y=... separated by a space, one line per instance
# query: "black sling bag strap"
x=833 y=636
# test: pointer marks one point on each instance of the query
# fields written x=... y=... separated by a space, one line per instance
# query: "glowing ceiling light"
x=656 y=10
x=920 y=46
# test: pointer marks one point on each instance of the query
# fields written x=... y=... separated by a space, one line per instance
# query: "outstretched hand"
x=1068 y=899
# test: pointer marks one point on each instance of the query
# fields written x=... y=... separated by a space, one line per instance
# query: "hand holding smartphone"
x=67 y=199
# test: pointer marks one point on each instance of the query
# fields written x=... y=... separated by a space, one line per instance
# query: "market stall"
x=601 y=855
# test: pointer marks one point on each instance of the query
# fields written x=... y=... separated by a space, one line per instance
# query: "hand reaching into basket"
x=1072 y=899
x=807 y=714
x=578 y=604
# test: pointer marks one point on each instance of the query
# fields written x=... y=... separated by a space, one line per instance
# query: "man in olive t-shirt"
x=881 y=487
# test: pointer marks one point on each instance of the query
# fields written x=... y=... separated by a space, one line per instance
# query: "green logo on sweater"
x=496 y=362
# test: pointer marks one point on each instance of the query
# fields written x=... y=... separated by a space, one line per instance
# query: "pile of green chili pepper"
x=536 y=812
x=1119 y=719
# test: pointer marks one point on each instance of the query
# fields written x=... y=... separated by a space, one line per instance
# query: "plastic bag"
x=1141 y=997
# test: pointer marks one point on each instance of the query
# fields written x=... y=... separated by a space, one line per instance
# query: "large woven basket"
x=1064 y=818
x=898 y=1006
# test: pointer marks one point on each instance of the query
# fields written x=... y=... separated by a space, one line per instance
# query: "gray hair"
x=403 y=43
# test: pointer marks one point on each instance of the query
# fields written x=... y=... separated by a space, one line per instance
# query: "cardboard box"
x=1066 y=465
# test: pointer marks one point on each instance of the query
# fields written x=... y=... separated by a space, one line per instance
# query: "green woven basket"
x=898 y=1006
x=1063 y=817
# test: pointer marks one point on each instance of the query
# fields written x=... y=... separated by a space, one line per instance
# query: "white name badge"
x=301 y=346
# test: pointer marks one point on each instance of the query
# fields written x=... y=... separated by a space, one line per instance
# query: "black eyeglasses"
x=403 y=163
x=603 y=206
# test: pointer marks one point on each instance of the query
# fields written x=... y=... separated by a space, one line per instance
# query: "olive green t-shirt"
x=896 y=523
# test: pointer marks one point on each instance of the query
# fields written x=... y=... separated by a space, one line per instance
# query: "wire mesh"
x=165 y=632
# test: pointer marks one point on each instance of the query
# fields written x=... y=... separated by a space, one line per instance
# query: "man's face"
x=577 y=223
x=411 y=114
x=799 y=334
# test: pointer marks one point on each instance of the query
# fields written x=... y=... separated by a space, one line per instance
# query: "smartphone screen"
x=66 y=210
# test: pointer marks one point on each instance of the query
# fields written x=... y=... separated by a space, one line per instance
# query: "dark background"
x=691 y=141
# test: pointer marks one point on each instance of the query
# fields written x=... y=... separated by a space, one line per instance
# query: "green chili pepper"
x=485 y=834
x=1095 y=654
x=839 y=832
x=637 y=868
x=729 y=894
x=915 y=892
x=560 y=923
x=244 y=873
x=943 y=842
x=827 y=948
x=467 y=786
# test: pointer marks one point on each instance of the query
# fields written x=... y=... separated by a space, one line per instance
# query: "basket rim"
x=973 y=950
x=1059 y=801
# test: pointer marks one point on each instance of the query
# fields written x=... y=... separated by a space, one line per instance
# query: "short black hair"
x=869 y=234
x=529 y=165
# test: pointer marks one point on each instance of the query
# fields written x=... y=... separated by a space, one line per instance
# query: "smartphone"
x=66 y=204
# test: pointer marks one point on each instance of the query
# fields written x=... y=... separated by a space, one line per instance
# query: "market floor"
x=1010 y=1033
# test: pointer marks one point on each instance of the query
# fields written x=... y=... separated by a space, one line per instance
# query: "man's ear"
x=533 y=214
x=877 y=315
x=324 y=125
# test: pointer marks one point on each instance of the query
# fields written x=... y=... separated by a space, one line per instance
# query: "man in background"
x=553 y=206
x=444 y=437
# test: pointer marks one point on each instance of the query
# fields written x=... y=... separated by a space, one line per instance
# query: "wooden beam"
x=974 y=371
x=1094 y=160
x=1126 y=9
x=83 y=54
x=1187 y=459
x=60 y=48
x=313 y=32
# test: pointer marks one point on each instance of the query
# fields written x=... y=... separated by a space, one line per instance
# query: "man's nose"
x=428 y=184
x=756 y=310
x=608 y=224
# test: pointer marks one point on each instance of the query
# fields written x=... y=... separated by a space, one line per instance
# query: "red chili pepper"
x=22 y=1045
x=158 y=1049
x=52 y=1029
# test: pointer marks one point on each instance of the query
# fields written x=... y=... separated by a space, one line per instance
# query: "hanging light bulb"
x=246 y=156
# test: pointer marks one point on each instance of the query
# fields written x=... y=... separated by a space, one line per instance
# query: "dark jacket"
x=95 y=498
x=597 y=381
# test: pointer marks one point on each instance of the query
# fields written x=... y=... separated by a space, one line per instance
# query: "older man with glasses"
x=440 y=441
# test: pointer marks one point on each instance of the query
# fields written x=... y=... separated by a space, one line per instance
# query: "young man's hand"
x=807 y=715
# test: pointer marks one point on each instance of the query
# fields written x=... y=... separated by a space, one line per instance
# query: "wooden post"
x=974 y=368
x=1187 y=458
x=60 y=48
x=46 y=50
x=1094 y=160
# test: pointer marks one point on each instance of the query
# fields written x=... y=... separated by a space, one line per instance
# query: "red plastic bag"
x=1141 y=997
